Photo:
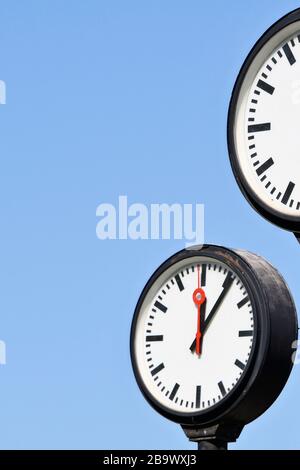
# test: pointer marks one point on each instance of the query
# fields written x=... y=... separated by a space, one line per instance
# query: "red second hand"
x=198 y=298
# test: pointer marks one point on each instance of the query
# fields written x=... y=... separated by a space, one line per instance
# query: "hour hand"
x=202 y=319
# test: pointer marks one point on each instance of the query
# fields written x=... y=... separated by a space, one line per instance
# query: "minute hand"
x=226 y=286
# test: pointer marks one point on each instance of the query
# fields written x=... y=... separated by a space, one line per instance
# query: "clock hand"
x=202 y=321
x=226 y=286
x=198 y=298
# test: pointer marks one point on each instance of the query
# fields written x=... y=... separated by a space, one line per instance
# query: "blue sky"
x=107 y=98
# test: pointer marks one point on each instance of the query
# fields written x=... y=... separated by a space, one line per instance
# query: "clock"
x=211 y=337
x=263 y=125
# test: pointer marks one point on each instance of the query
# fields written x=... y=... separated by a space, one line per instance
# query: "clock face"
x=265 y=122
x=193 y=335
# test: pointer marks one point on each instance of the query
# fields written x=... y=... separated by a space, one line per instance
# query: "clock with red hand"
x=203 y=329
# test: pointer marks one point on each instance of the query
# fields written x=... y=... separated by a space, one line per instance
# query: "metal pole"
x=214 y=444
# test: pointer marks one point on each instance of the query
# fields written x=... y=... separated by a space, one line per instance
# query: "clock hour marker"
x=265 y=126
x=157 y=369
x=203 y=275
x=265 y=86
x=265 y=166
x=179 y=282
x=289 y=55
x=245 y=333
x=222 y=388
x=154 y=338
x=288 y=193
x=160 y=306
x=240 y=364
x=174 y=391
x=198 y=396
x=243 y=302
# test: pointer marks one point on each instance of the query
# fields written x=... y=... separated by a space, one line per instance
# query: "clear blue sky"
x=107 y=98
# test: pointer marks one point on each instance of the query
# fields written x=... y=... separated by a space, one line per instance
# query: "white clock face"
x=181 y=372
x=267 y=123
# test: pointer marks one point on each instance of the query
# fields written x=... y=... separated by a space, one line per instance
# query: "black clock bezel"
x=285 y=221
x=260 y=340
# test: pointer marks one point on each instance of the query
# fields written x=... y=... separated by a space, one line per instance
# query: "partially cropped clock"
x=211 y=336
x=263 y=124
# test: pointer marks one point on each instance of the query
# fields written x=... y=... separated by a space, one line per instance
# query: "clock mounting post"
x=213 y=437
